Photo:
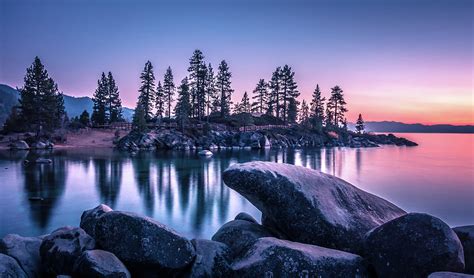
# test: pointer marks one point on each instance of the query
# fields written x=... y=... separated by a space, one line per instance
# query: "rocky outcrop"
x=466 y=236
x=19 y=145
x=446 y=274
x=296 y=200
x=89 y=218
x=141 y=241
x=61 y=248
x=271 y=257
x=212 y=259
x=99 y=263
x=9 y=268
x=25 y=250
x=413 y=245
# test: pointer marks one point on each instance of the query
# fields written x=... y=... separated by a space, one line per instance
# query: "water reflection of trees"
x=108 y=178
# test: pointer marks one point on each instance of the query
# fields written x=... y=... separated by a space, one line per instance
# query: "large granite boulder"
x=212 y=259
x=245 y=216
x=61 y=248
x=239 y=235
x=309 y=206
x=9 y=268
x=413 y=245
x=89 y=218
x=141 y=241
x=100 y=263
x=271 y=257
x=445 y=274
x=25 y=250
x=466 y=236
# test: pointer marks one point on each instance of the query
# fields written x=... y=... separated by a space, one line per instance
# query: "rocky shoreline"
x=313 y=225
x=276 y=138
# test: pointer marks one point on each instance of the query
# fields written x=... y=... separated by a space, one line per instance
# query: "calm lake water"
x=186 y=192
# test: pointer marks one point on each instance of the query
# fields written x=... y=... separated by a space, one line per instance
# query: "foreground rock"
x=414 y=245
x=142 y=241
x=466 y=236
x=212 y=259
x=89 y=218
x=309 y=206
x=240 y=235
x=445 y=274
x=99 y=263
x=271 y=257
x=61 y=248
x=25 y=250
x=246 y=217
x=9 y=268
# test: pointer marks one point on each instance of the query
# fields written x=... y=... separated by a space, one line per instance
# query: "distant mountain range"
x=74 y=105
x=390 y=126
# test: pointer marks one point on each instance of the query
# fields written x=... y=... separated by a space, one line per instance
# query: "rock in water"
x=271 y=257
x=142 y=241
x=89 y=218
x=240 y=235
x=25 y=250
x=445 y=274
x=100 y=263
x=309 y=206
x=212 y=259
x=205 y=153
x=9 y=268
x=61 y=248
x=19 y=145
x=466 y=236
x=413 y=245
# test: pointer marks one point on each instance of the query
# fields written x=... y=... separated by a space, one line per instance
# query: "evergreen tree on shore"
x=168 y=91
x=211 y=97
x=288 y=92
x=182 y=109
x=337 y=105
x=360 y=125
x=245 y=103
x=139 y=119
x=197 y=80
x=317 y=108
x=304 y=112
x=224 y=89
x=292 y=111
x=273 y=106
x=84 y=118
x=113 y=99
x=160 y=101
x=260 y=97
x=147 y=90
x=99 y=110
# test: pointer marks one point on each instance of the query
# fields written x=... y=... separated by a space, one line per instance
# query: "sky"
x=409 y=61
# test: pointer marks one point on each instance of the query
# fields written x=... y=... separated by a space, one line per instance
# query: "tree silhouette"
x=260 y=98
x=224 y=88
x=147 y=90
x=99 y=110
x=168 y=90
x=337 y=105
x=139 y=119
x=160 y=101
x=183 y=106
x=113 y=100
x=317 y=108
x=197 y=81
x=360 y=126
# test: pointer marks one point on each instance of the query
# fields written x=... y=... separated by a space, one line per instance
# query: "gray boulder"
x=309 y=206
x=25 y=250
x=413 y=245
x=239 y=235
x=466 y=236
x=246 y=217
x=142 y=241
x=89 y=218
x=61 y=248
x=98 y=264
x=9 y=268
x=19 y=145
x=271 y=257
x=212 y=259
x=445 y=274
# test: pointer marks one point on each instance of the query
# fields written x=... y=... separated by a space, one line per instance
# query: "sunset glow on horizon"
x=407 y=61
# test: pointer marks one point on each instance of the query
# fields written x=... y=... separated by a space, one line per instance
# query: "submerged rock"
x=466 y=236
x=212 y=259
x=9 y=268
x=205 y=153
x=89 y=218
x=239 y=235
x=309 y=206
x=142 y=241
x=61 y=248
x=100 y=263
x=25 y=250
x=413 y=245
x=271 y=257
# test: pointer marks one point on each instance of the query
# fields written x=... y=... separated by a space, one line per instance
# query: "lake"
x=186 y=192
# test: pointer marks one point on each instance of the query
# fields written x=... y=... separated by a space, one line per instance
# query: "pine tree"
x=224 y=89
x=360 y=125
x=84 y=118
x=147 y=90
x=42 y=105
x=237 y=109
x=197 y=80
x=245 y=103
x=182 y=109
x=139 y=119
x=260 y=98
x=160 y=101
x=273 y=106
x=211 y=96
x=168 y=91
x=288 y=90
x=292 y=110
x=99 y=110
x=304 y=112
x=337 y=104
x=329 y=118
x=317 y=108
x=113 y=99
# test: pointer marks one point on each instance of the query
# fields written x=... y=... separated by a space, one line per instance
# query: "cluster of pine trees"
x=41 y=104
x=107 y=104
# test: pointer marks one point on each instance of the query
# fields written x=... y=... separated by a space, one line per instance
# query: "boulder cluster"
x=35 y=145
x=313 y=225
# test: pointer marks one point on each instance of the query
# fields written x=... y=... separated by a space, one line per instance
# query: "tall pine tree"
x=100 y=99
x=168 y=91
x=224 y=89
x=304 y=112
x=211 y=96
x=260 y=97
x=337 y=105
x=317 y=109
x=139 y=119
x=113 y=100
x=147 y=90
x=160 y=101
x=197 y=80
x=292 y=111
x=288 y=92
x=273 y=107
x=360 y=126
x=182 y=109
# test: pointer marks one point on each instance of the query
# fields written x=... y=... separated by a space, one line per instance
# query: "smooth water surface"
x=186 y=192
